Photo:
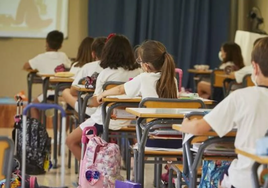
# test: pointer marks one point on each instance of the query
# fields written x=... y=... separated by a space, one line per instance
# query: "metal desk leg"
x=55 y=127
x=255 y=178
x=45 y=88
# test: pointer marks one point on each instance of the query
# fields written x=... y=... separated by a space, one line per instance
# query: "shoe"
x=164 y=176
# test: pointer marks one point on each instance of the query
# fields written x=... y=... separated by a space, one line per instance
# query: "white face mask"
x=253 y=79
x=220 y=57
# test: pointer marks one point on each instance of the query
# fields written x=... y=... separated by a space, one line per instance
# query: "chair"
x=124 y=132
x=247 y=82
x=179 y=74
x=165 y=103
x=182 y=170
x=6 y=159
x=216 y=82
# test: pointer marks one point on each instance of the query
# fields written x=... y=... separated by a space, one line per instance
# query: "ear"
x=256 y=68
x=93 y=55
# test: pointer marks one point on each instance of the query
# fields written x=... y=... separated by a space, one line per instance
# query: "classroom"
x=133 y=93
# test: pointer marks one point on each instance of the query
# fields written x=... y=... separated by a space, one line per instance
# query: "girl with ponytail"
x=158 y=80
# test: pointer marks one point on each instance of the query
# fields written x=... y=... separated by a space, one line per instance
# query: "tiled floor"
x=52 y=178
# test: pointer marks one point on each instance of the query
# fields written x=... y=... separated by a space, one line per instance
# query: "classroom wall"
x=262 y=5
x=14 y=52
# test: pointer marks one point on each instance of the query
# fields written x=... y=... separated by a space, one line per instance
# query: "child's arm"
x=92 y=102
x=195 y=126
x=27 y=66
x=118 y=90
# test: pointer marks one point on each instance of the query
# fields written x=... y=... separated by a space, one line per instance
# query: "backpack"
x=100 y=165
x=91 y=81
x=38 y=146
x=213 y=172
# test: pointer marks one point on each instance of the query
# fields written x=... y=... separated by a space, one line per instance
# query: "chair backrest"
x=111 y=84
x=179 y=74
x=216 y=80
x=171 y=103
x=247 y=82
x=6 y=158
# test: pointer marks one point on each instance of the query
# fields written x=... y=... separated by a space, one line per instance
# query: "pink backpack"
x=100 y=163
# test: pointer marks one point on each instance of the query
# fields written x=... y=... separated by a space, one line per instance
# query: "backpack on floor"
x=213 y=172
x=100 y=164
x=38 y=146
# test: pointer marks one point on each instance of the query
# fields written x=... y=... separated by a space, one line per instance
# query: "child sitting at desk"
x=84 y=55
x=244 y=109
x=118 y=64
x=158 y=80
x=70 y=94
x=45 y=63
x=230 y=56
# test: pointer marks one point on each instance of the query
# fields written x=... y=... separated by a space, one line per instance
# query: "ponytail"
x=166 y=86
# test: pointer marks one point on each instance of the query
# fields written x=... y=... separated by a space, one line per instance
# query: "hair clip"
x=110 y=36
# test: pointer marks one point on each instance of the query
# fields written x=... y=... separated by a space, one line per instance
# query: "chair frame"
x=8 y=159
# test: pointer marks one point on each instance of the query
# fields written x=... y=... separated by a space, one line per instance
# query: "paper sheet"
x=187 y=137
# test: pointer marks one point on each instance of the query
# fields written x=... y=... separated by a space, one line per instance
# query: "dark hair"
x=118 y=52
x=84 y=52
x=54 y=39
x=154 y=53
x=233 y=54
x=260 y=55
x=97 y=46
x=256 y=41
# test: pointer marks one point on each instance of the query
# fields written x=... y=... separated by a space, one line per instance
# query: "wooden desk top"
x=231 y=76
x=138 y=99
x=195 y=71
x=211 y=133
x=80 y=88
x=45 y=75
x=59 y=80
x=32 y=70
x=259 y=159
x=162 y=112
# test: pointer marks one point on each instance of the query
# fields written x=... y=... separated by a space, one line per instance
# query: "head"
x=54 y=40
x=231 y=51
x=118 y=52
x=84 y=52
x=256 y=41
x=97 y=47
x=259 y=60
x=154 y=57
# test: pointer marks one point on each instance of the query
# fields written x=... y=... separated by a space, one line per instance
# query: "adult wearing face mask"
x=231 y=59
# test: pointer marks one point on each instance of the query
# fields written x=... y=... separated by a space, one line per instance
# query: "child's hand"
x=99 y=98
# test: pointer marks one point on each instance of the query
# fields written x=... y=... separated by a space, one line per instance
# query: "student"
x=240 y=74
x=84 y=55
x=45 y=63
x=244 y=109
x=158 y=80
x=230 y=56
x=70 y=94
x=118 y=64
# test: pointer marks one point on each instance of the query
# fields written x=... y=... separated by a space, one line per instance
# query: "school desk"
x=160 y=116
x=258 y=161
x=199 y=73
x=193 y=163
x=32 y=78
x=60 y=84
x=82 y=104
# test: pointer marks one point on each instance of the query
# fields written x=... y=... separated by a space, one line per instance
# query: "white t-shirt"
x=144 y=85
x=46 y=62
x=239 y=75
x=106 y=75
x=87 y=70
x=224 y=65
x=246 y=110
x=74 y=69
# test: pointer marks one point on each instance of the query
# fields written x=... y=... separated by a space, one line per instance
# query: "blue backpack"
x=213 y=172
